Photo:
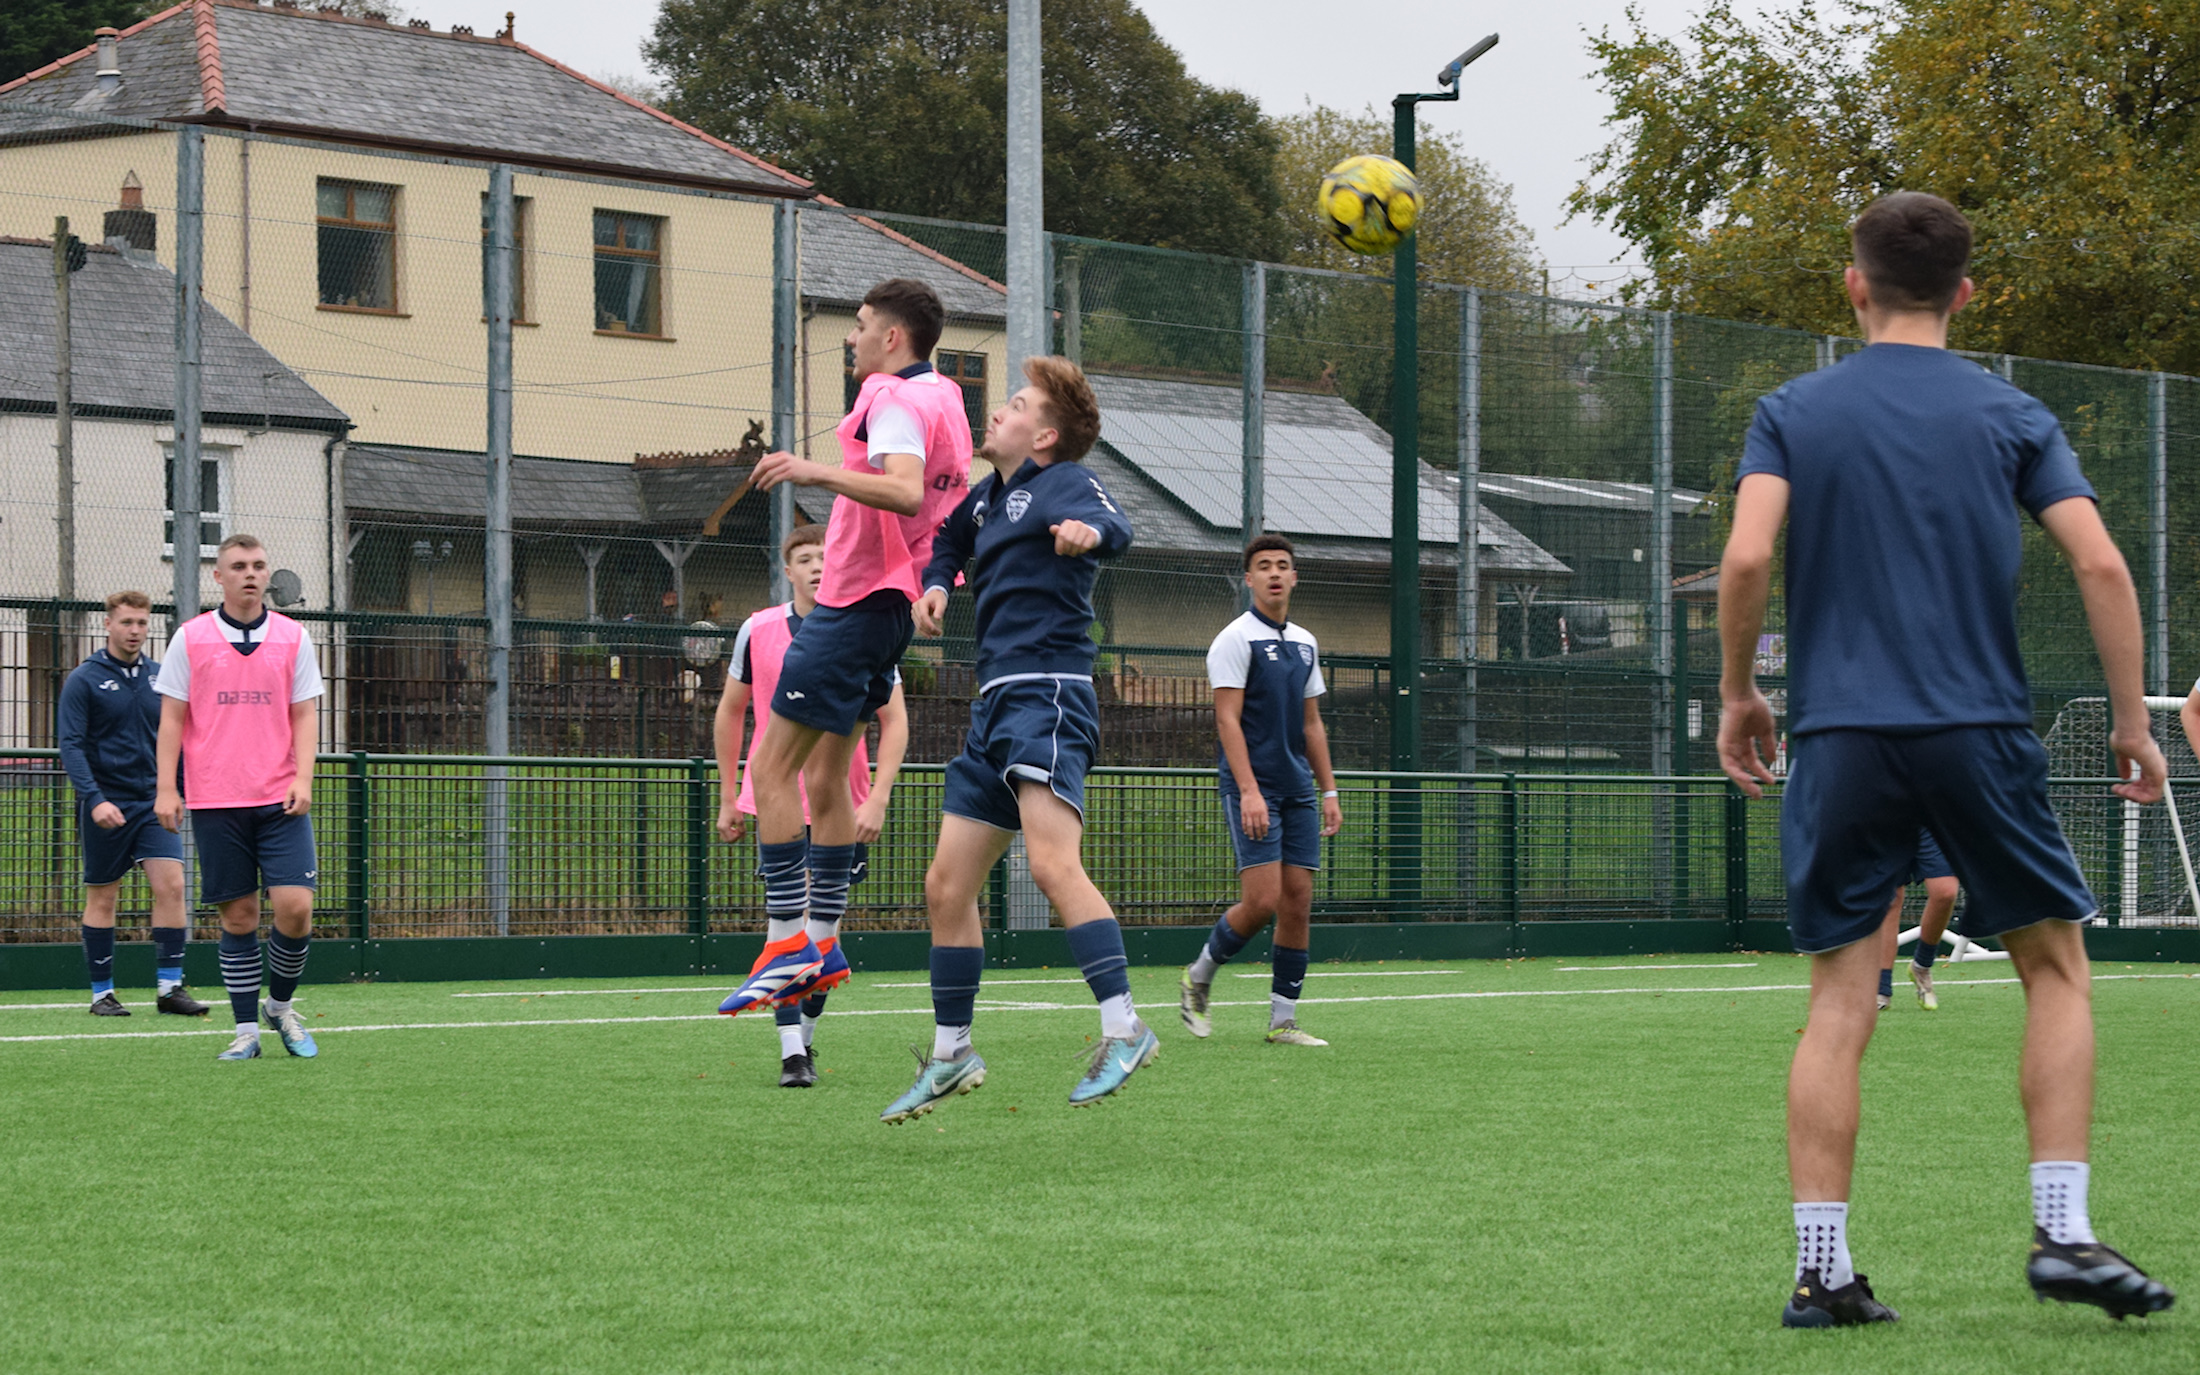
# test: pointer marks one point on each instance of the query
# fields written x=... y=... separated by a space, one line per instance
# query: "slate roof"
x=434 y=486
x=1171 y=451
x=844 y=256
x=304 y=72
x=122 y=315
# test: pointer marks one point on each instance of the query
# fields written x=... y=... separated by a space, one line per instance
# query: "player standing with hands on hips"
x=1895 y=472
x=905 y=462
x=110 y=724
x=240 y=683
x=1032 y=536
x=1273 y=756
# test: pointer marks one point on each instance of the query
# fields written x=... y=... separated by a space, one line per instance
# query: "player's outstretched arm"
x=893 y=747
x=1745 y=584
x=167 y=753
x=2112 y=608
x=727 y=727
x=898 y=486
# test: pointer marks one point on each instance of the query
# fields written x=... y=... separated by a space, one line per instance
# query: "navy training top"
x=1034 y=605
x=1279 y=667
x=1907 y=465
x=110 y=724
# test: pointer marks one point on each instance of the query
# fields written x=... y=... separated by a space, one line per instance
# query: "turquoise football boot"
x=245 y=1047
x=296 y=1039
x=937 y=1081
x=1113 y=1063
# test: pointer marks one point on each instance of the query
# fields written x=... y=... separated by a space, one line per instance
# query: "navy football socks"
x=286 y=964
x=99 y=959
x=956 y=971
x=240 y=956
x=1285 y=985
x=1886 y=982
x=1926 y=954
x=784 y=867
x=830 y=867
x=1097 y=946
x=168 y=955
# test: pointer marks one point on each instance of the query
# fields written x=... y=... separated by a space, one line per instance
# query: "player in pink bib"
x=905 y=463
x=758 y=653
x=238 y=689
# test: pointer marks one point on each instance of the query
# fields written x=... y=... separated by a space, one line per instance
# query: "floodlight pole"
x=1028 y=326
x=1405 y=514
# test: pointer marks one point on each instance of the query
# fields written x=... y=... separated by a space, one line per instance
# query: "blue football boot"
x=1113 y=1063
x=831 y=975
x=937 y=1081
x=296 y=1039
x=246 y=1046
x=785 y=970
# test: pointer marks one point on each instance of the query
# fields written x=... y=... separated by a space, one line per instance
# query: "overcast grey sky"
x=1530 y=108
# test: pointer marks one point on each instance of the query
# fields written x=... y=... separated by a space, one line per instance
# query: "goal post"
x=2147 y=847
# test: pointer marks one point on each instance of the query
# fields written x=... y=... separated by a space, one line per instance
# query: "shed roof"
x=122 y=317
x=1586 y=493
x=445 y=485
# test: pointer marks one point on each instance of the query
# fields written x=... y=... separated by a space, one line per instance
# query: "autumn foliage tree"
x=2064 y=128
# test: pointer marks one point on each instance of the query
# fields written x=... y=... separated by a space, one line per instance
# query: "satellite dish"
x=284 y=589
x=703 y=650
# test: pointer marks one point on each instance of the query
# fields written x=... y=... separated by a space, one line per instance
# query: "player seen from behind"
x=110 y=725
x=905 y=462
x=1895 y=473
x=240 y=683
x=1031 y=536
x=758 y=651
x=1273 y=760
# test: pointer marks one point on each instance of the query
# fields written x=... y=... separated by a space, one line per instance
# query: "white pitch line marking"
x=25 y=1007
x=1018 y=1007
x=1599 y=968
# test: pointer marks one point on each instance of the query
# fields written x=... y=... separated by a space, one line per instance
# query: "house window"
x=968 y=370
x=629 y=264
x=213 y=502
x=520 y=207
x=358 y=246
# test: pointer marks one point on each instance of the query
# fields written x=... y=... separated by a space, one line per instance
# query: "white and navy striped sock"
x=240 y=960
x=784 y=867
x=286 y=964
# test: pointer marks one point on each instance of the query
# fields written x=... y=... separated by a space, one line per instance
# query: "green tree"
x=35 y=32
x=2064 y=128
x=900 y=105
x=1469 y=233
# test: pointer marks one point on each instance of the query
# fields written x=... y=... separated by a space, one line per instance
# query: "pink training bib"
x=868 y=550
x=770 y=632
x=237 y=749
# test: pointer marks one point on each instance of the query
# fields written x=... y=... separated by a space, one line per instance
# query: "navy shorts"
x=1294 y=834
x=1930 y=862
x=245 y=849
x=1856 y=799
x=108 y=855
x=839 y=668
x=1043 y=729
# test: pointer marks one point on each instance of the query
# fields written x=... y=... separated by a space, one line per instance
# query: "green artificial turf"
x=1591 y=1182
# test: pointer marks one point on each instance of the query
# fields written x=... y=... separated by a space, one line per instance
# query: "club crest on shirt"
x=1019 y=501
x=1306 y=655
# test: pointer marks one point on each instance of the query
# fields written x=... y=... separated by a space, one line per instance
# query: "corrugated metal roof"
x=1584 y=492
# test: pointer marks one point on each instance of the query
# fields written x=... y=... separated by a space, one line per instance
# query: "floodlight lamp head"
x=1450 y=75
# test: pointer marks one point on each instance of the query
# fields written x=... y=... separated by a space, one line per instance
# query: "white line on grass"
x=1600 y=968
x=1012 y=1007
x=26 y=1007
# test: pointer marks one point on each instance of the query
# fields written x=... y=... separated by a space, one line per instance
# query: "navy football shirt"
x=1907 y=465
x=1279 y=667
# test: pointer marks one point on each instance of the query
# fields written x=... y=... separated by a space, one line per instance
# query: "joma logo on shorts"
x=244 y=699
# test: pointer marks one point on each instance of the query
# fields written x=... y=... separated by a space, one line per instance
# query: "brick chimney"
x=131 y=222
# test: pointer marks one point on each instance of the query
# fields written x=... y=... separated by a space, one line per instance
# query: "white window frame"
x=224 y=457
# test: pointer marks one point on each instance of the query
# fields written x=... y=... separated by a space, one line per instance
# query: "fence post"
x=183 y=484
x=698 y=846
x=357 y=802
x=786 y=360
x=2158 y=531
x=496 y=859
x=1253 y=319
x=1737 y=864
x=1512 y=847
x=1468 y=613
x=1662 y=840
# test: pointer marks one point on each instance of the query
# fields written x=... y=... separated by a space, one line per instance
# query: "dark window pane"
x=358 y=267
x=330 y=201
x=607 y=229
x=974 y=406
x=626 y=296
x=850 y=389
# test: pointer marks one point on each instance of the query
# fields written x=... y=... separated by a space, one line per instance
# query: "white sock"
x=822 y=931
x=1822 y=1243
x=1281 y=1010
x=791 y=1042
x=1118 y=1018
x=168 y=986
x=1203 y=969
x=278 y=1006
x=2058 y=1199
x=777 y=930
x=809 y=1030
x=949 y=1041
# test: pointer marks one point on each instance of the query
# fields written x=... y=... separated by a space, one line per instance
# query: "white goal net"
x=2138 y=858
